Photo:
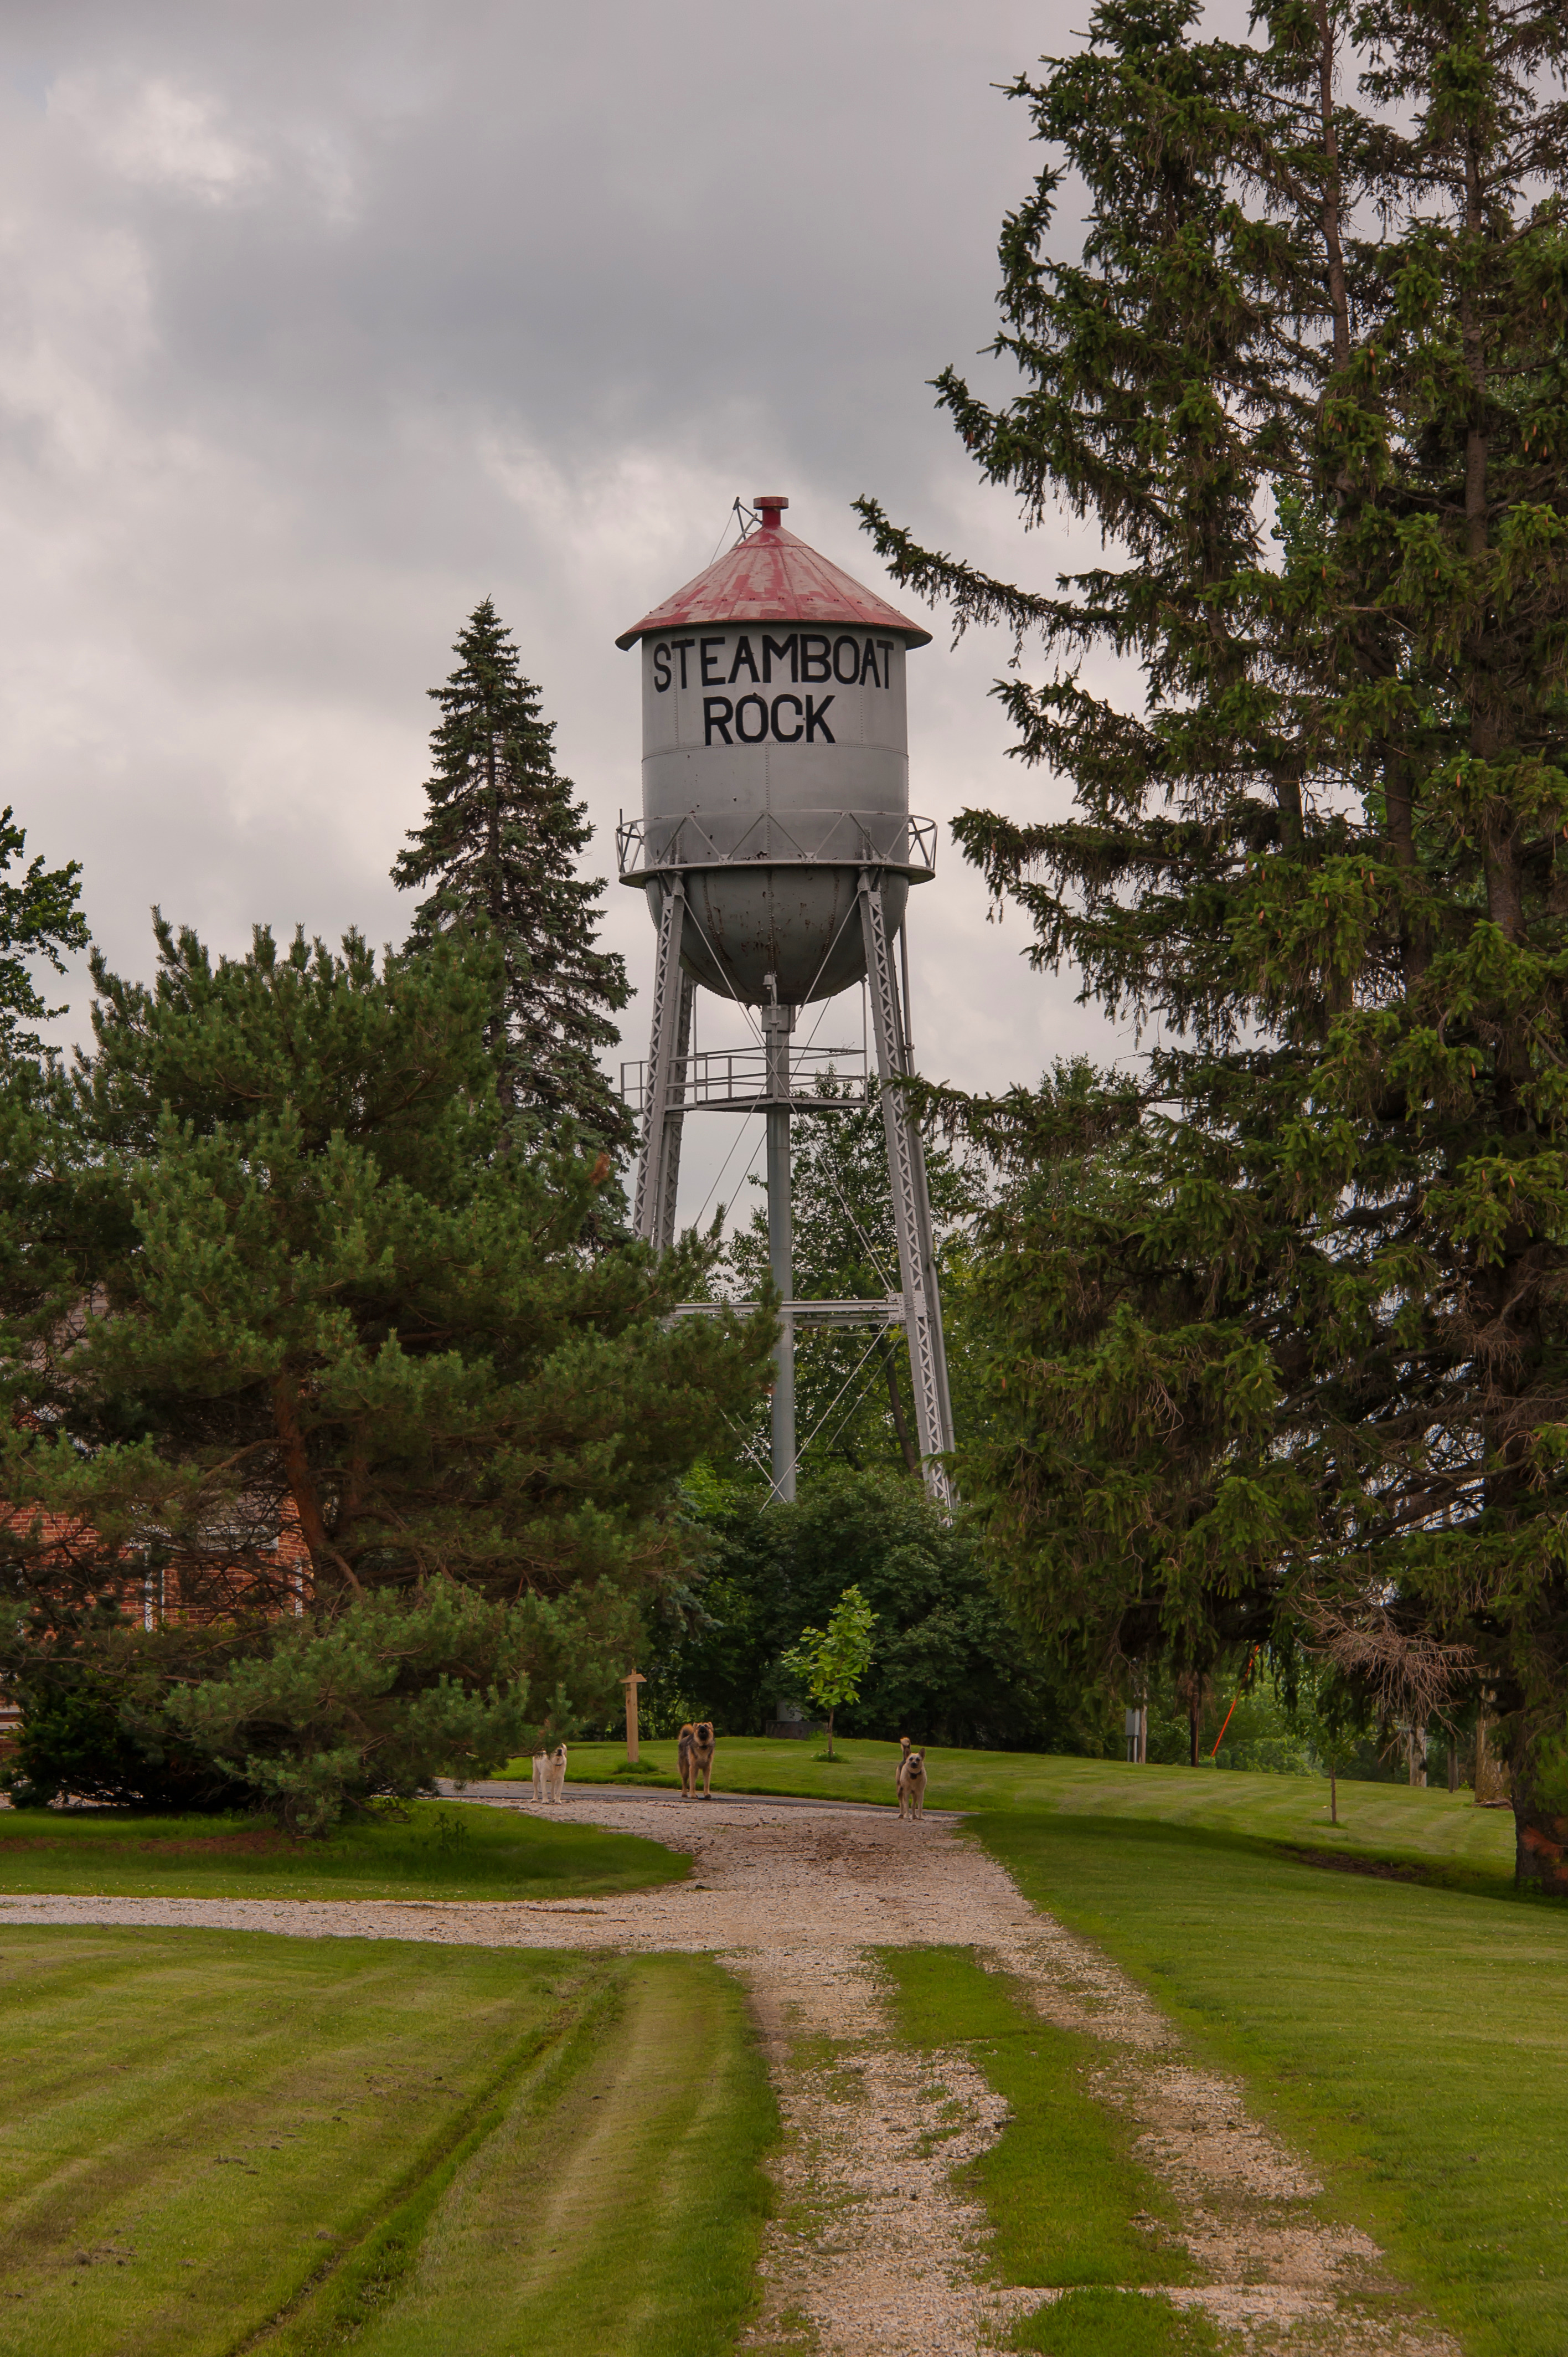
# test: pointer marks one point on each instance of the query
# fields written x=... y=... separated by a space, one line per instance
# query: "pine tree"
x=38 y=919
x=1280 y=1334
x=321 y=1303
x=499 y=846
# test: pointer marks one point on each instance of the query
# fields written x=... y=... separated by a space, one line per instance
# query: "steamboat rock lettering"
x=753 y=718
x=813 y=658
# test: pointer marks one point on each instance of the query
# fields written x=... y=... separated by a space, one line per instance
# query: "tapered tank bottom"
x=800 y=925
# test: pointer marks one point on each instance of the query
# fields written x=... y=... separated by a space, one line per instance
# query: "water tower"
x=777 y=853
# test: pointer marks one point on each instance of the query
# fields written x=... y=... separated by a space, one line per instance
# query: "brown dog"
x=694 y=1749
x=912 y=1784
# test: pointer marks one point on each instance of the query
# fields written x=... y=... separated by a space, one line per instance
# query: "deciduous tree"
x=830 y=1663
x=951 y=1666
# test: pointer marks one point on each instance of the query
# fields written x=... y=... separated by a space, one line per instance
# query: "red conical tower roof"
x=771 y=577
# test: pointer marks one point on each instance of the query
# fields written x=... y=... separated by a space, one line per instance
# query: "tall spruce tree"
x=1279 y=1335
x=498 y=849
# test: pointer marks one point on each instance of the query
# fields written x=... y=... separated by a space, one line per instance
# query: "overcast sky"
x=319 y=323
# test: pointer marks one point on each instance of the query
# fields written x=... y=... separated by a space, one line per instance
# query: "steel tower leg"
x=674 y=1117
x=912 y=1200
x=653 y=1210
x=777 y=1025
x=938 y=1339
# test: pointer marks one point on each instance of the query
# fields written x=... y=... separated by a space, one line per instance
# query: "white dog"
x=558 y=1773
x=912 y=1784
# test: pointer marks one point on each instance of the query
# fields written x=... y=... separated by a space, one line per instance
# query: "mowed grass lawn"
x=1411 y=2036
x=1412 y=2039
x=1068 y=2201
x=224 y=2141
x=443 y=1850
x=1436 y=1831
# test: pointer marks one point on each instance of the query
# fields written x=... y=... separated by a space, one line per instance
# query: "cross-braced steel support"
x=912 y=1198
x=659 y=1166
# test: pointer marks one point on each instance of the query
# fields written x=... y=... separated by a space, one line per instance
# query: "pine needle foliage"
x=38 y=918
x=309 y=1295
x=497 y=851
x=1279 y=1333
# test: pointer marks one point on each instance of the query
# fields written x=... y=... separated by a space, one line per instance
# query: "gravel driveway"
x=874 y=2251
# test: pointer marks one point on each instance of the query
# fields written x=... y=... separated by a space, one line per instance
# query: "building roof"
x=771 y=577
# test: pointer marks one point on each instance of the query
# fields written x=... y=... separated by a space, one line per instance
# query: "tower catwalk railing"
x=897 y=841
x=735 y=1079
x=673 y=1083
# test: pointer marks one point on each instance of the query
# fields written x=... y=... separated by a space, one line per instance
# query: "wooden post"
x=1483 y=1768
x=631 y=1684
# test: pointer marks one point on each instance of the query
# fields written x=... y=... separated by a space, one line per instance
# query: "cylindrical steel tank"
x=774 y=766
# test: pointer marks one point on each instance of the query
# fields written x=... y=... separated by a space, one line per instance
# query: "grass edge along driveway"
x=1413 y=2042
x=222 y=2142
x=436 y=1850
x=1061 y=2187
x=1441 y=1836
x=618 y=2208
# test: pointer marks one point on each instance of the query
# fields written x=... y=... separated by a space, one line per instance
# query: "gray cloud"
x=317 y=324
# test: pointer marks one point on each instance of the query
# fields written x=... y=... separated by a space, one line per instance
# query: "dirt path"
x=874 y=2250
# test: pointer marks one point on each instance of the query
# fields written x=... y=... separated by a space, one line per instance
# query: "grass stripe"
x=350 y=2296
x=198 y=2123
x=502 y=2150
x=627 y=2218
x=1060 y=2186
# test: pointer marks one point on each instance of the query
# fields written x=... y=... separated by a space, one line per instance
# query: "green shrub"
x=79 y=1741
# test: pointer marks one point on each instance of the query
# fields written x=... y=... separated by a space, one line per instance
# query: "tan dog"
x=904 y=1750
x=542 y=1774
x=694 y=1749
x=557 y=1773
x=912 y=1784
